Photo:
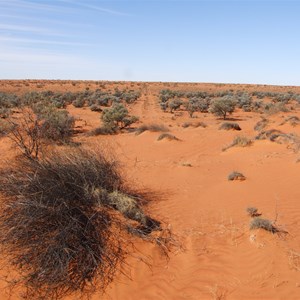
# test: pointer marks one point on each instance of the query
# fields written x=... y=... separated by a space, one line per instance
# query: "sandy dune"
x=220 y=257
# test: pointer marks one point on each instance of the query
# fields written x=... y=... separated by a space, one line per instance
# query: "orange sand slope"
x=220 y=257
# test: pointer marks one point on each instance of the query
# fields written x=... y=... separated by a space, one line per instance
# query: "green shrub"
x=117 y=116
x=221 y=107
x=79 y=102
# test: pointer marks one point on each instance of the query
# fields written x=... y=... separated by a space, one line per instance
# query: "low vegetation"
x=257 y=223
x=230 y=126
x=69 y=221
x=167 y=136
x=239 y=141
x=152 y=128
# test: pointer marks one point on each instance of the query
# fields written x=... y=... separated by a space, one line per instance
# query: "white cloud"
x=39 y=41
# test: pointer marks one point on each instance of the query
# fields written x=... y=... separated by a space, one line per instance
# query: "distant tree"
x=175 y=104
x=222 y=106
x=197 y=104
x=117 y=117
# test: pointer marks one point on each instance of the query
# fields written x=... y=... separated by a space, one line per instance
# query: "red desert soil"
x=220 y=257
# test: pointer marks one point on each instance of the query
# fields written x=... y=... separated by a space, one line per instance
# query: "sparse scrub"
x=117 y=116
x=260 y=125
x=292 y=120
x=221 y=107
x=230 y=126
x=95 y=107
x=175 y=104
x=79 y=102
x=273 y=108
x=236 y=176
x=197 y=105
x=67 y=222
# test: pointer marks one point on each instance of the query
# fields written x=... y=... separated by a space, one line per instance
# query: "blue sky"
x=199 y=41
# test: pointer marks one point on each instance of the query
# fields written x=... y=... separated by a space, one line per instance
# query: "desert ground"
x=216 y=256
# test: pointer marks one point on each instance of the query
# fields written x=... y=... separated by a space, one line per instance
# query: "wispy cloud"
x=29 y=29
x=39 y=41
x=95 y=7
x=33 y=6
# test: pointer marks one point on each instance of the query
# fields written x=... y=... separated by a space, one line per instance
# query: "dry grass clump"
x=152 y=128
x=236 y=176
x=239 y=141
x=280 y=137
x=103 y=130
x=292 y=120
x=265 y=224
x=260 y=125
x=230 y=126
x=194 y=125
x=167 y=136
x=66 y=223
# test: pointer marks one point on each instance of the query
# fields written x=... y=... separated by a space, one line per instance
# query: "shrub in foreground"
x=66 y=223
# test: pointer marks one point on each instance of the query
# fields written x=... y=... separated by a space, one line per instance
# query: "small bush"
x=167 y=136
x=175 y=104
x=95 y=107
x=221 y=107
x=230 y=126
x=117 y=116
x=79 y=102
x=236 y=176
x=265 y=224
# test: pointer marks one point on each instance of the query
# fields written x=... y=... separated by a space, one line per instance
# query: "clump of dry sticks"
x=68 y=221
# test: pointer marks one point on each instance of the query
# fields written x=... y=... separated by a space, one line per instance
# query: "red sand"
x=221 y=258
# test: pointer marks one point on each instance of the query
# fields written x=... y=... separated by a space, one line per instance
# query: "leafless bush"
x=265 y=224
x=26 y=134
x=66 y=223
